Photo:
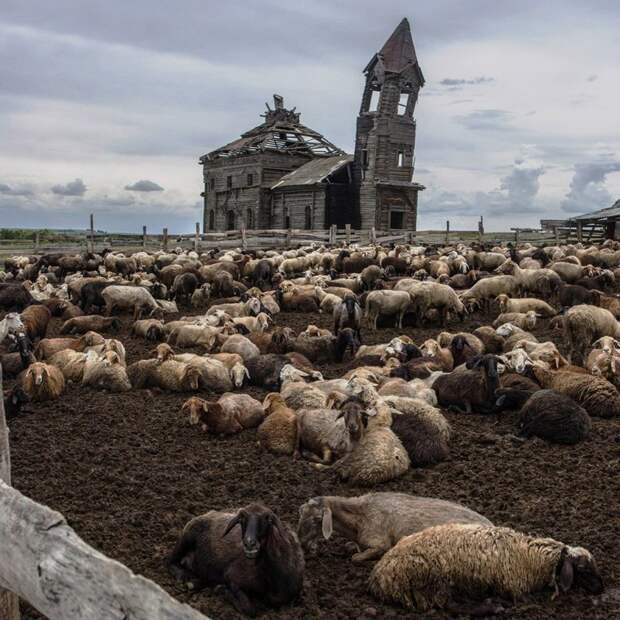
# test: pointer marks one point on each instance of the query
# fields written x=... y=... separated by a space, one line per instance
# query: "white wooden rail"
x=46 y=563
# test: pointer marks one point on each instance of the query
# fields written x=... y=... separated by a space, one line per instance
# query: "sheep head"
x=290 y=373
x=191 y=377
x=577 y=566
x=256 y=523
x=163 y=352
x=315 y=520
x=195 y=407
x=238 y=373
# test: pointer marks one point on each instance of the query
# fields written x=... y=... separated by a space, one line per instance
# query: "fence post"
x=480 y=229
x=517 y=235
x=373 y=235
x=9 y=603
x=347 y=228
x=197 y=237
x=165 y=239
x=92 y=233
x=244 y=241
x=144 y=237
x=579 y=232
x=447 y=231
x=36 y=242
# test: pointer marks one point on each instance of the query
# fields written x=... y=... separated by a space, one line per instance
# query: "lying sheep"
x=49 y=346
x=595 y=394
x=555 y=417
x=105 y=373
x=90 y=322
x=429 y=568
x=188 y=335
x=278 y=431
x=376 y=521
x=230 y=414
x=242 y=346
x=251 y=307
x=493 y=342
x=214 y=375
x=254 y=324
x=527 y=304
x=522 y=320
x=169 y=375
x=42 y=382
x=70 y=363
x=151 y=330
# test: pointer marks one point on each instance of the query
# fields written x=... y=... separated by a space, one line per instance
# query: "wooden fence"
x=43 y=561
x=272 y=238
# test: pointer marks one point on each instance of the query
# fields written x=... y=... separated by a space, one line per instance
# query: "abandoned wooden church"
x=282 y=174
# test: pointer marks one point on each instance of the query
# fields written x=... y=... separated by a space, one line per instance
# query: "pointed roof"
x=398 y=51
x=397 y=54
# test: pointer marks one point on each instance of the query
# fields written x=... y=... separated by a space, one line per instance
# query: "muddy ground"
x=128 y=472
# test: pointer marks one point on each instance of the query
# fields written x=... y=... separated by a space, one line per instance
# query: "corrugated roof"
x=314 y=171
x=613 y=211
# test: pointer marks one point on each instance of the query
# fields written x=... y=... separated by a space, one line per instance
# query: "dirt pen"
x=127 y=472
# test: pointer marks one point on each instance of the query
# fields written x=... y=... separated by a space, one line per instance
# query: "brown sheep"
x=230 y=414
x=278 y=431
x=49 y=346
x=90 y=322
x=36 y=319
x=42 y=382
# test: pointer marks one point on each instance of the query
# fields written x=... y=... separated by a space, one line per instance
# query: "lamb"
x=152 y=330
x=583 y=325
x=471 y=387
x=42 y=382
x=427 y=569
x=323 y=434
x=555 y=417
x=387 y=303
x=105 y=373
x=261 y=562
x=522 y=320
x=11 y=323
x=49 y=346
x=133 y=298
x=91 y=322
x=527 y=304
x=278 y=431
x=376 y=521
x=200 y=297
x=230 y=414
x=595 y=394
x=378 y=457
x=170 y=375
x=35 y=320
x=423 y=431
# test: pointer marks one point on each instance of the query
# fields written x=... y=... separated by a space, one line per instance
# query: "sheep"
x=277 y=433
x=470 y=387
x=214 y=375
x=251 y=307
x=387 y=303
x=327 y=301
x=14 y=400
x=555 y=417
x=438 y=296
x=242 y=346
x=35 y=320
x=323 y=434
x=105 y=373
x=14 y=296
x=188 y=335
x=595 y=394
x=230 y=414
x=522 y=320
x=48 y=346
x=169 y=375
x=378 y=457
x=315 y=349
x=110 y=344
x=261 y=562
x=493 y=342
x=462 y=345
x=375 y=522
x=257 y=324
x=546 y=352
x=152 y=330
x=444 y=356
x=583 y=324
x=296 y=302
x=11 y=323
x=483 y=291
x=42 y=382
x=348 y=314
x=90 y=322
x=527 y=304
x=427 y=569
x=423 y=431
x=301 y=395
x=543 y=281
x=200 y=297
x=347 y=340
x=312 y=331
x=129 y=297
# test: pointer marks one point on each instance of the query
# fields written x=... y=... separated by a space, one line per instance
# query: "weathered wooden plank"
x=46 y=563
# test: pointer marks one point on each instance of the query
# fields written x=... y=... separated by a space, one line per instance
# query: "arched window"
x=230 y=220
x=308 y=218
x=249 y=220
x=287 y=218
x=211 y=219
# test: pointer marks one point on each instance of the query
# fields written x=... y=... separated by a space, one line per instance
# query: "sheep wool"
x=473 y=560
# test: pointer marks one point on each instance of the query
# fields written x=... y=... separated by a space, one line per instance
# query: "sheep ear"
x=234 y=521
x=247 y=373
x=567 y=575
x=327 y=525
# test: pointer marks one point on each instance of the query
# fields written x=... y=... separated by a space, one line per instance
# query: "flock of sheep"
x=382 y=416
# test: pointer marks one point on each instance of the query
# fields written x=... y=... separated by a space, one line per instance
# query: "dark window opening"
x=282 y=135
x=212 y=183
x=228 y=182
x=397 y=219
x=374 y=101
x=364 y=159
x=211 y=219
x=230 y=220
x=308 y=218
x=287 y=218
x=250 y=180
x=249 y=220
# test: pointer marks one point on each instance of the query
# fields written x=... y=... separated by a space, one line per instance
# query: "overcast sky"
x=105 y=106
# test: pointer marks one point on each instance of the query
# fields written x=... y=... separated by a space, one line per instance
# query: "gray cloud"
x=522 y=185
x=592 y=78
x=587 y=187
x=73 y=188
x=464 y=82
x=144 y=186
x=11 y=191
x=485 y=120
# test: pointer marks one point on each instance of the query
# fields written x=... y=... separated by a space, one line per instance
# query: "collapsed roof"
x=281 y=132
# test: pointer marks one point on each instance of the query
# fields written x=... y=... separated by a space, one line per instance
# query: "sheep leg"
x=373 y=553
x=238 y=598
